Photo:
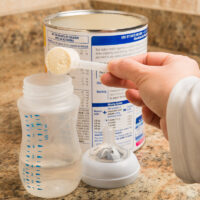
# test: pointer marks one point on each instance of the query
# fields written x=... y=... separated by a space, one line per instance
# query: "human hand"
x=149 y=79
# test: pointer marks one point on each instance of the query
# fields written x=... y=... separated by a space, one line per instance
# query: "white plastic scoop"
x=61 y=60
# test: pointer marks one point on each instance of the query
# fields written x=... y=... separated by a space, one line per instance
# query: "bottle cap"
x=109 y=165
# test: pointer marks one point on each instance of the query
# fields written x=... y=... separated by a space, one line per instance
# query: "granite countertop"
x=156 y=181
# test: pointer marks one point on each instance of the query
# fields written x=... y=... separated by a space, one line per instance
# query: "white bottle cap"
x=109 y=166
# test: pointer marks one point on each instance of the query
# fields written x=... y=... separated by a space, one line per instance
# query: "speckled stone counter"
x=156 y=181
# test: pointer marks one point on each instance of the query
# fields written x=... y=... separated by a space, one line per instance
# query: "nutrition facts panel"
x=110 y=106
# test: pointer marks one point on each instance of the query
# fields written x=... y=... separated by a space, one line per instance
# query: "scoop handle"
x=92 y=66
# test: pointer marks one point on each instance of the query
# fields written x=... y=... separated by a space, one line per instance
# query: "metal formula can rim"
x=48 y=19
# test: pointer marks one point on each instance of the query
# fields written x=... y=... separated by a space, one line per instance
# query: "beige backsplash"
x=183 y=6
x=8 y=7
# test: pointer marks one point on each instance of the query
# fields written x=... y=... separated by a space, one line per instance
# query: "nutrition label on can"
x=101 y=104
x=110 y=106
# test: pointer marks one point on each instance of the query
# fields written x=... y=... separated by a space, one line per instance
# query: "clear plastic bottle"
x=50 y=156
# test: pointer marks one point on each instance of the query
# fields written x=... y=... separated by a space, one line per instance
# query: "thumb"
x=129 y=69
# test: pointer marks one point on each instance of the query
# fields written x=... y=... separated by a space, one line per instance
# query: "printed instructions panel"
x=80 y=42
x=106 y=48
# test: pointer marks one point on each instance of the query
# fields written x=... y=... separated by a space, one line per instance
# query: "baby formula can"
x=101 y=36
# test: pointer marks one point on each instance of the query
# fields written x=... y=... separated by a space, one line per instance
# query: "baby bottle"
x=50 y=156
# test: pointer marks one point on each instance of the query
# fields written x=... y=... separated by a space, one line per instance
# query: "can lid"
x=95 y=21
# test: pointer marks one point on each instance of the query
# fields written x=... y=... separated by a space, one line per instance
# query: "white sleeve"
x=183 y=125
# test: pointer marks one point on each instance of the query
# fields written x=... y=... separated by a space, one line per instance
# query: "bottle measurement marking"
x=32 y=169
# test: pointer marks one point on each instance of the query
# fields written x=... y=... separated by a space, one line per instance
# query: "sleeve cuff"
x=175 y=115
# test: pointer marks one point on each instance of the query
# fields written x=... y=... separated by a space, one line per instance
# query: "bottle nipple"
x=109 y=151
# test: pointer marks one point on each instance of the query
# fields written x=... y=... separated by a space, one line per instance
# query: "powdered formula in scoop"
x=61 y=60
